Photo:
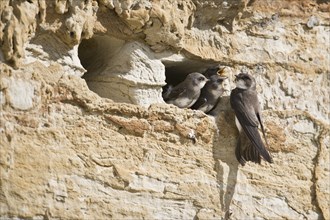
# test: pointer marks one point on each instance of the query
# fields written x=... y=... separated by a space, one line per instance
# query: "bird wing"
x=245 y=113
x=175 y=93
x=167 y=91
x=243 y=108
x=201 y=102
x=262 y=128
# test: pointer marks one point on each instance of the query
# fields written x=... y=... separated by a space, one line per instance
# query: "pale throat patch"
x=217 y=91
x=202 y=84
x=241 y=84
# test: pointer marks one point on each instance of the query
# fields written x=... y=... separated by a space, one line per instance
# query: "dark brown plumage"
x=244 y=101
x=186 y=93
x=210 y=94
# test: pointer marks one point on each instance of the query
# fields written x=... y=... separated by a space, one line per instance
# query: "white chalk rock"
x=20 y=94
x=129 y=72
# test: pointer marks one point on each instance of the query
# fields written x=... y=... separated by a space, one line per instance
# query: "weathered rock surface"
x=129 y=74
x=85 y=134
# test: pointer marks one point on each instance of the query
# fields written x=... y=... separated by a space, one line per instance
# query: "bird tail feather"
x=260 y=149
x=247 y=152
x=254 y=136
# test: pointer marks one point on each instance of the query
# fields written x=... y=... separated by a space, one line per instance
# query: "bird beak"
x=221 y=71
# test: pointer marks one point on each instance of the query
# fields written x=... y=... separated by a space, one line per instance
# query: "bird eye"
x=201 y=78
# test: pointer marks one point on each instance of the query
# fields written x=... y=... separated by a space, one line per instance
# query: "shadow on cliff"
x=224 y=144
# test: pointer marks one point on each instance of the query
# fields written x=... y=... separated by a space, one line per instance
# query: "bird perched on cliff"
x=210 y=94
x=186 y=93
x=244 y=101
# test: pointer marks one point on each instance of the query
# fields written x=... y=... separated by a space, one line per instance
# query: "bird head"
x=215 y=85
x=215 y=82
x=198 y=80
x=215 y=70
x=245 y=81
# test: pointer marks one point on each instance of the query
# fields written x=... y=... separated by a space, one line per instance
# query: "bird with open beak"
x=210 y=94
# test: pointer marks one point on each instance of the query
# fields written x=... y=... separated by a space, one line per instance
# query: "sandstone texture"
x=85 y=133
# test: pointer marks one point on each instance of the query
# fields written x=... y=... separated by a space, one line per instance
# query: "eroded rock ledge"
x=85 y=133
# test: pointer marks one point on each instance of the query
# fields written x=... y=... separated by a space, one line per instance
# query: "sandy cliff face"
x=85 y=133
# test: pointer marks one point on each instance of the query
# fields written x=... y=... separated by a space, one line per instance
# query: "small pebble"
x=312 y=22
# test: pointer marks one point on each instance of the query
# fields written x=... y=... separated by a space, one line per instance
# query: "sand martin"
x=244 y=101
x=186 y=93
x=210 y=94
